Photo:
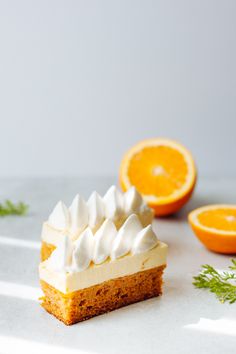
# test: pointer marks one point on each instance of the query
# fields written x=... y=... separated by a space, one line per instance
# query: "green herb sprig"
x=9 y=208
x=218 y=283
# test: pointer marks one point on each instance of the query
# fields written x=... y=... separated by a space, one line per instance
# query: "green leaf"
x=9 y=208
x=223 y=285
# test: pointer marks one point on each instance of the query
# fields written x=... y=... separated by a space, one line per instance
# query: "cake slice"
x=102 y=270
x=72 y=221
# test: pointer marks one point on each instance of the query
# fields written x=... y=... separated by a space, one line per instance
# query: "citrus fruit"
x=215 y=226
x=162 y=170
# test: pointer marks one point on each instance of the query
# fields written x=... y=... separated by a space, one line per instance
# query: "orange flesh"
x=158 y=170
x=221 y=219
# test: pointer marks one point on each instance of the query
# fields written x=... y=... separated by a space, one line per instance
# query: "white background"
x=81 y=81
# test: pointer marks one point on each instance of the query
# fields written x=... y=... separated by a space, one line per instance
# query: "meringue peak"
x=145 y=240
x=103 y=240
x=125 y=237
x=96 y=211
x=60 y=217
x=83 y=250
x=132 y=201
x=113 y=200
x=79 y=215
x=60 y=258
x=146 y=215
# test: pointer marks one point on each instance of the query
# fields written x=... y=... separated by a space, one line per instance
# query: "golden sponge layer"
x=95 y=300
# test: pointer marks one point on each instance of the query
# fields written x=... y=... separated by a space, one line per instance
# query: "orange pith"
x=162 y=170
x=215 y=226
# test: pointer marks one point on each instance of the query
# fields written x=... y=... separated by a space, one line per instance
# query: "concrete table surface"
x=183 y=320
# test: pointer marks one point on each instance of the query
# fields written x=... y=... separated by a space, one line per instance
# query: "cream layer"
x=51 y=235
x=96 y=274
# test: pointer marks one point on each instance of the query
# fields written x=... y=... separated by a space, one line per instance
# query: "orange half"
x=163 y=171
x=215 y=226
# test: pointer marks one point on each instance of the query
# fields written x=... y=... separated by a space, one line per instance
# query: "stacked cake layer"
x=101 y=255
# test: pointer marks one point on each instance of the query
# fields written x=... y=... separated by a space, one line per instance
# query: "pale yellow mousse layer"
x=96 y=274
x=54 y=236
x=51 y=235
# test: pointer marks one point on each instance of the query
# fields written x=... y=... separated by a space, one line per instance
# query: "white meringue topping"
x=60 y=258
x=78 y=215
x=96 y=211
x=132 y=201
x=113 y=201
x=146 y=214
x=145 y=240
x=88 y=231
x=125 y=237
x=83 y=251
x=75 y=256
x=114 y=206
x=60 y=217
x=103 y=240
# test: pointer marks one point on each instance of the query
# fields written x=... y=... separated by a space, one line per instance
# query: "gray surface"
x=153 y=326
x=81 y=81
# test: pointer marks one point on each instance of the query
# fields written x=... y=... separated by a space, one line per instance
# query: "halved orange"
x=215 y=226
x=162 y=170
